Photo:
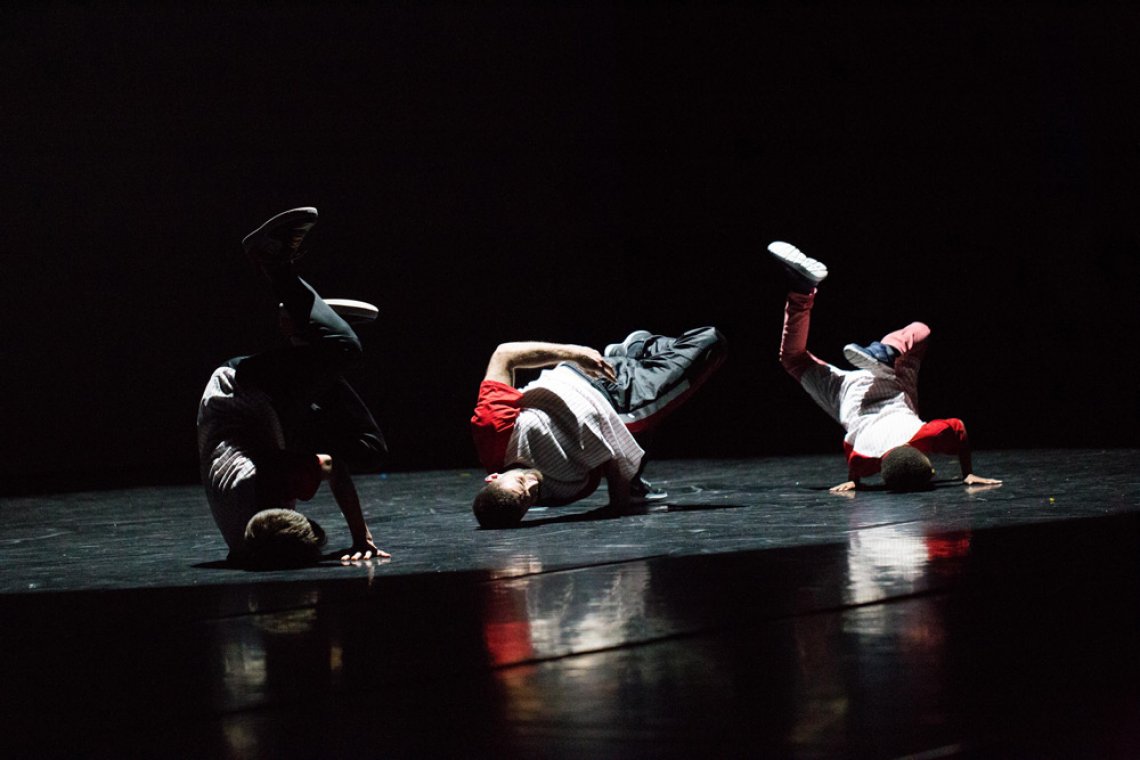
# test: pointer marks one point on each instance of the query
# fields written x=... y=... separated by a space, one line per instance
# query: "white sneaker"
x=804 y=267
x=353 y=312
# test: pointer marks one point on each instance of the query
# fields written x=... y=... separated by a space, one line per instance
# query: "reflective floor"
x=751 y=614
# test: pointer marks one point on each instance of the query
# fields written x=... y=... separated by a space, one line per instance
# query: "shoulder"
x=936 y=428
x=495 y=390
x=497 y=406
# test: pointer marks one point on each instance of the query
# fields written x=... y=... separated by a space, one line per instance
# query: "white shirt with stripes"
x=233 y=424
x=879 y=413
x=566 y=429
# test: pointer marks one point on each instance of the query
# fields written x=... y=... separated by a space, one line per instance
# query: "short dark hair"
x=277 y=538
x=496 y=507
x=905 y=468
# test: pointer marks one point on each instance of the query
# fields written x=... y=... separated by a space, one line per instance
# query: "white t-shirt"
x=879 y=413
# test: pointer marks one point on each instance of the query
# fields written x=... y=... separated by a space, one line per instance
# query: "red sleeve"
x=859 y=466
x=285 y=475
x=496 y=409
x=941 y=437
x=304 y=476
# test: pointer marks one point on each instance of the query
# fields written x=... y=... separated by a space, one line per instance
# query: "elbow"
x=508 y=351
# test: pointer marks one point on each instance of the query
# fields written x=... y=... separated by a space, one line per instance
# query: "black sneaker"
x=805 y=271
x=877 y=358
x=278 y=241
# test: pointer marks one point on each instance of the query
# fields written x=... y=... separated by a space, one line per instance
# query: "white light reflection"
x=554 y=614
x=888 y=560
x=518 y=565
x=589 y=619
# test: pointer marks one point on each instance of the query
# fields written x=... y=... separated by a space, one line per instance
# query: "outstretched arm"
x=344 y=491
x=618 y=487
x=850 y=485
x=966 y=462
x=534 y=354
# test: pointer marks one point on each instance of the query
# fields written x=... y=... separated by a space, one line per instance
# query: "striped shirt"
x=878 y=413
x=560 y=425
x=881 y=413
x=238 y=429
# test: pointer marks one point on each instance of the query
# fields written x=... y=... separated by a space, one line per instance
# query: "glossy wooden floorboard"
x=751 y=614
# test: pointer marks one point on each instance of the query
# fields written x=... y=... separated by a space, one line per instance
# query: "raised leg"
x=660 y=373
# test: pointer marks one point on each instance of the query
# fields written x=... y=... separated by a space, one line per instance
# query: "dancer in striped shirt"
x=876 y=404
x=553 y=441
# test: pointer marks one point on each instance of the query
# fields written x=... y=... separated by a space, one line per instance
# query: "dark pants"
x=319 y=410
x=661 y=373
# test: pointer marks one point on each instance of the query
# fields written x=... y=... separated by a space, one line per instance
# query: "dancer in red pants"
x=877 y=404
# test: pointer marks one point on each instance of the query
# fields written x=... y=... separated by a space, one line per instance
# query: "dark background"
x=565 y=173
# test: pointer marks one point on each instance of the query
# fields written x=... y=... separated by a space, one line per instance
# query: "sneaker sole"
x=863 y=360
x=304 y=216
x=353 y=311
x=812 y=270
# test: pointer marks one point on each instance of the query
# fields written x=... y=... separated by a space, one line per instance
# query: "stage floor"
x=752 y=613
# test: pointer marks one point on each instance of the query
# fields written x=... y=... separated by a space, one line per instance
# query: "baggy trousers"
x=659 y=374
x=319 y=410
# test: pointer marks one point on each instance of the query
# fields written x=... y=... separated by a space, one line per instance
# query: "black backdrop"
x=564 y=173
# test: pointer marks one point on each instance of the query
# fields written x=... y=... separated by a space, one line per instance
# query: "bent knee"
x=797 y=364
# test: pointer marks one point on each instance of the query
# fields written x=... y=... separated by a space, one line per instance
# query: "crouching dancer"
x=584 y=419
x=273 y=426
x=876 y=404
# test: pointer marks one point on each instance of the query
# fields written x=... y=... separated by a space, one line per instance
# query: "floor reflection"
x=550 y=615
x=943 y=624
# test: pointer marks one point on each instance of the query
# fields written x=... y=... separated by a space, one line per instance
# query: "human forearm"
x=965 y=460
x=530 y=354
x=535 y=354
x=347 y=499
x=617 y=485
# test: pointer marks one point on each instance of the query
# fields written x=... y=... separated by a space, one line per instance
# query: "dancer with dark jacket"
x=273 y=426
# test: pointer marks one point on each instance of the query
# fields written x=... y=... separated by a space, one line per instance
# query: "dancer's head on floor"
x=276 y=538
x=507 y=496
x=905 y=468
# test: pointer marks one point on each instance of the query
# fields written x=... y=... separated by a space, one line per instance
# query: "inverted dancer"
x=876 y=404
x=272 y=427
x=552 y=442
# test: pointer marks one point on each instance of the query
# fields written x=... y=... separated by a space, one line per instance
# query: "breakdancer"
x=877 y=404
x=585 y=418
x=273 y=426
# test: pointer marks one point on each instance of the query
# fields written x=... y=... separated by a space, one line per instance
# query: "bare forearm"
x=617 y=485
x=347 y=499
x=534 y=354
x=965 y=460
x=529 y=354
